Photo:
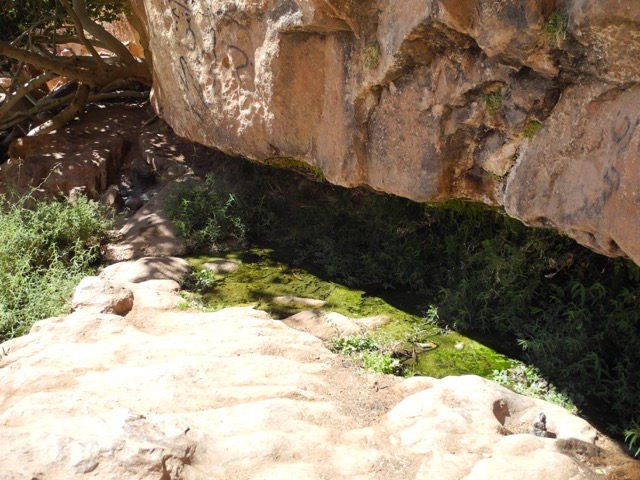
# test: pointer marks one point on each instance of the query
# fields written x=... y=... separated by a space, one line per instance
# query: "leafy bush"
x=44 y=252
x=206 y=213
x=571 y=312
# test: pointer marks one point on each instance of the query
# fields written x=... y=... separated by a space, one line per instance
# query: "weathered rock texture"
x=427 y=99
x=164 y=394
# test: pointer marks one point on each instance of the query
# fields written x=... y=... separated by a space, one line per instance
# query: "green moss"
x=261 y=277
x=533 y=127
x=289 y=163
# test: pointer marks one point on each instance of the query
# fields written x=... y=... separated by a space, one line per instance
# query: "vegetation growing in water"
x=570 y=312
x=44 y=252
x=369 y=352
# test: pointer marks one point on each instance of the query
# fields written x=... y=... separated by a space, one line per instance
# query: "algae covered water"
x=258 y=277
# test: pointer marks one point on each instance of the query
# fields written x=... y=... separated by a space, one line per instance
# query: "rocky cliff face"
x=526 y=104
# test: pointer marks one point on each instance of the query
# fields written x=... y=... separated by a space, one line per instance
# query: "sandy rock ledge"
x=163 y=394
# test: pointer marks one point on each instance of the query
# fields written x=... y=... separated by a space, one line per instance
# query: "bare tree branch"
x=98 y=31
x=52 y=103
x=48 y=63
x=80 y=31
x=96 y=76
x=68 y=114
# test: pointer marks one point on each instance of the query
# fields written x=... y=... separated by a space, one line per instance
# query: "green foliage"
x=528 y=380
x=200 y=281
x=372 y=55
x=367 y=350
x=379 y=362
x=352 y=344
x=491 y=102
x=555 y=30
x=44 y=252
x=570 y=312
x=632 y=437
x=533 y=126
x=50 y=15
x=206 y=213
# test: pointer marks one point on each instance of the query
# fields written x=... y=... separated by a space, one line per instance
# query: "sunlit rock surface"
x=160 y=393
x=427 y=99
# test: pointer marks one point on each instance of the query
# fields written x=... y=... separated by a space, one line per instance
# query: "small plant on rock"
x=632 y=437
x=491 y=102
x=555 y=30
x=372 y=55
x=528 y=381
x=533 y=126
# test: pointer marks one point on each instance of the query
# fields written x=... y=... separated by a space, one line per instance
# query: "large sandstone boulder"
x=581 y=173
x=428 y=99
x=164 y=394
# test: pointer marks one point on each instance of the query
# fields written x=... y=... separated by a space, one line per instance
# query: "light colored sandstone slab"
x=236 y=394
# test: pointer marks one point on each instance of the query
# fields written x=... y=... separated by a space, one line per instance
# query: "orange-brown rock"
x=428 y=99
x=56 y=164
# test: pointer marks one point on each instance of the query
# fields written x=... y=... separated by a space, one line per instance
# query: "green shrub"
x=206 y=213
x=528 y=381
x=44 y=252
x=352 y=344
x=379 y=362
x=200 y=281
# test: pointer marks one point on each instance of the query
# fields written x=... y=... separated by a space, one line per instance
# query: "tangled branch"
x=35 y=57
